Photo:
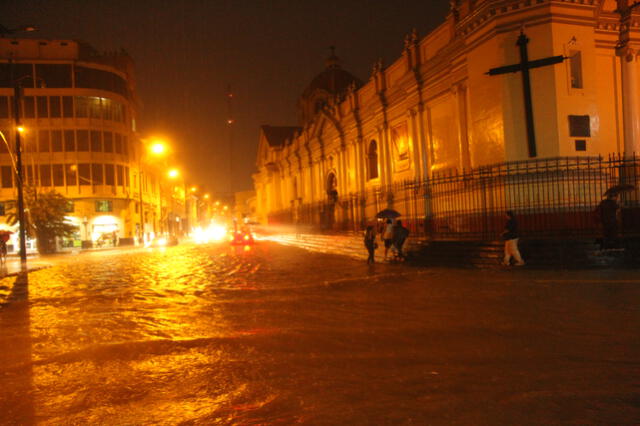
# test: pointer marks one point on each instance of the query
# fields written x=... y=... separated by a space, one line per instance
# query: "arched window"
x=332 y=187
x=372 y=156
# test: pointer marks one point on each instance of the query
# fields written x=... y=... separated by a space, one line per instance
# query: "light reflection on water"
x=213 y=335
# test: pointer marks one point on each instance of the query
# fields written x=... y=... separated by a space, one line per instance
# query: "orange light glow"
x=206 y=196
x=194 y=189
x=158 y=148
x=20 y=129
x=173 y=173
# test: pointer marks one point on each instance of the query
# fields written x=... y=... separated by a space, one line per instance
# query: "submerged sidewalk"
x=544 y=254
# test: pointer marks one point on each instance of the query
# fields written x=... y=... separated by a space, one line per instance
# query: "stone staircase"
x=543 y=253
x=559 y=254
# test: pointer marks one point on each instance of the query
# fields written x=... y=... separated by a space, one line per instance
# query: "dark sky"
x=187 y=52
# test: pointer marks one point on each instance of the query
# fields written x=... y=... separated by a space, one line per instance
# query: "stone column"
x=460 y=95
x=630 y=104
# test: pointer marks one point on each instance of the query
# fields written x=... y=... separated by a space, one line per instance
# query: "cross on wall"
x=524 y=66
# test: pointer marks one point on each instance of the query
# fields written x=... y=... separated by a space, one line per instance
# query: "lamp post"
x=19 y=174
x=171 y=174
x=17 y=93
x=157 y=148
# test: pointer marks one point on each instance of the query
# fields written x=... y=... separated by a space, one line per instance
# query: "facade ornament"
x=377 y=67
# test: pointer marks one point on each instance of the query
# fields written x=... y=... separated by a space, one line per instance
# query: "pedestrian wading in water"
x=510 y=237
x=608 y=211
x=370 y=243
x=387 y=237
x=400 y=234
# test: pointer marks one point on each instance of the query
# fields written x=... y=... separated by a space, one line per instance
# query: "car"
x=170 y=240
x=242 y=236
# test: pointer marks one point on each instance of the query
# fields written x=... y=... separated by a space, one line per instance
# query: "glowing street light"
x=158 y=148
x=207 y=196
x=21 y=129
x=173 y=173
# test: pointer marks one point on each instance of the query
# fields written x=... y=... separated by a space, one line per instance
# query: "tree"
x=45 y=218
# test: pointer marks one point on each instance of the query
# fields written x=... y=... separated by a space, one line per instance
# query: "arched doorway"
x=372 y=156
x=332 y=199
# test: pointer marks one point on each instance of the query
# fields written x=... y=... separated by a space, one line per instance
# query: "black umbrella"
x=387 y=214
x=616 y=189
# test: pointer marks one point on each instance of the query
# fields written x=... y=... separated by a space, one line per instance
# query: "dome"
x=330 y=83
x=333 y=80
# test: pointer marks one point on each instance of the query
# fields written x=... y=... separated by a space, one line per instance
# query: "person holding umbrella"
x=388 y=232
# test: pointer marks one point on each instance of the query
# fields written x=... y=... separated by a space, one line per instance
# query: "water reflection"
x=16 y=367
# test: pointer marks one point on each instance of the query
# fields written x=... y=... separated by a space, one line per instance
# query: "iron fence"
x=550 y=197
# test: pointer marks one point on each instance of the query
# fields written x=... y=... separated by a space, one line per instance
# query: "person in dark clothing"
x=510 y=237
x=608 y=213
x=370 y=243
x=400 y=234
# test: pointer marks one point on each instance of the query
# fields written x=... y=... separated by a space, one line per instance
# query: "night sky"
x=187 y=52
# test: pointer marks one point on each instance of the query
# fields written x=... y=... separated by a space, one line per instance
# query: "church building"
x=500 y=85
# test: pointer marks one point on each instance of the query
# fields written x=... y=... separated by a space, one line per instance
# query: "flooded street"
x=276 y=335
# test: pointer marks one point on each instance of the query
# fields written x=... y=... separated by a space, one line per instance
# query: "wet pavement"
x=277 y=335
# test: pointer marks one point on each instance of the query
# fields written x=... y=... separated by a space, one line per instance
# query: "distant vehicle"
x=242 y=236
x=171 y=240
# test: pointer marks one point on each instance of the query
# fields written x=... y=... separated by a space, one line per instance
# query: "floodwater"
x=276 y=335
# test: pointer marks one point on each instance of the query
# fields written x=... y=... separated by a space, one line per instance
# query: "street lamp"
x=171 y=174
x=17 y=94
x=157 y=148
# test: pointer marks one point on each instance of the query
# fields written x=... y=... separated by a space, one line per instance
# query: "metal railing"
x=554 y=197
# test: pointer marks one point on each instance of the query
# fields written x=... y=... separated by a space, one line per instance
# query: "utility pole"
x=230 y=124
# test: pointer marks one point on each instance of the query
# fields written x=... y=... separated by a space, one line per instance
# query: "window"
x=97 y=79
x=118 y=140
x=575 y=66
x=2 y=211
x=56 y=140
x=7 y=176
x=579 y=126
x=372 y=157
x=81 y=106
x=4 y=149
x=43 y=107
x=107 y=109
x=104 y=206
x=67 y=106
x=54 y=107
x=120 y=175
x=124 y=146
x=71 y=172
x=43 y=141
x=96 y=141
x=84 y=174
x=109 y=175
x=126 y=176
x=58 y=175
x=45 y=174
x=95 y=108
x=29 y=142
x=54 y=75
x=581 y=145
x=70 y=207
x=28 y=107
x=82 y=140
x=4 y=107
x=108 y=142
x=28 y=174
x=97 y=177
x=69 y=141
